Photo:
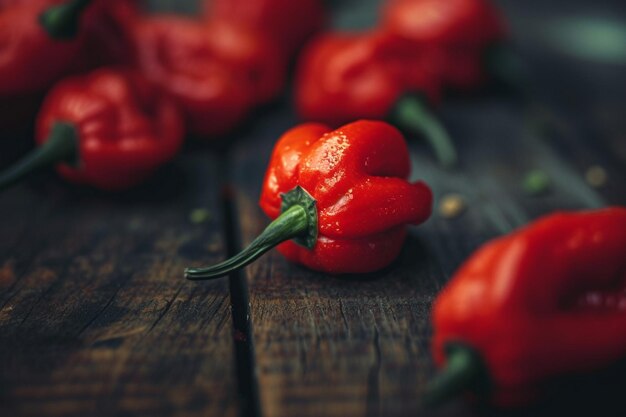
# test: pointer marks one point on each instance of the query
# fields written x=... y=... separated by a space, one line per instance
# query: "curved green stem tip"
x=298 y=221
x=63 y=20
x=465 y=371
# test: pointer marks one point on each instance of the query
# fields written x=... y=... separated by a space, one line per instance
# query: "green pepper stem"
x=62 y=21
x=298 y=220
x=464 y=371
x=411 y=113
x=61 y=146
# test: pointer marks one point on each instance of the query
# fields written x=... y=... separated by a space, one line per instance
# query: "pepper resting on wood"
x=342 y=77
x=548 y=299
x=341 y=195
x=464 y=32
x=110 y=129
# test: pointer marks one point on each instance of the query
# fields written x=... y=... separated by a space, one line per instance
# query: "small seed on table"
x=596 y=176
x=536 y=182
x=199 y=216
x=452 y=205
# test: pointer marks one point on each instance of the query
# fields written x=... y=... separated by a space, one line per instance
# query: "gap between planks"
x=243 y=343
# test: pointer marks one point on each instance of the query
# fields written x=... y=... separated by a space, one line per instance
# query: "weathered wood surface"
x=95 y=318
x=338 y=346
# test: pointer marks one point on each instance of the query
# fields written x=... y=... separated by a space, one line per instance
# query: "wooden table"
x=96 y=318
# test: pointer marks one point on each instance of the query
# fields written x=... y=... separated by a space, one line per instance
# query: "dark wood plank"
x=360 y=346
x=341 y=346
x=582 y=98
x=96 y=318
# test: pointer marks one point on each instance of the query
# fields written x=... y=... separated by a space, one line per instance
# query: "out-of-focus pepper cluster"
x=218 y=67
x=116 y=89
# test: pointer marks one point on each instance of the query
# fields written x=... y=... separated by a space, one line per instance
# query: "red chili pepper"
x=341 y=195
x=41 y=43
x=343 y=77
x=289 y=23
x=463 y=30
x=107 y=40
x=4 y=4
x=110 y=129
x=548 y=299
x=33 y=53
x=217 y=72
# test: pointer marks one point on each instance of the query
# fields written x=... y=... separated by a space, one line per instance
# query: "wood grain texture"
x=343 y=346
x=340 y=346
x=96 y=318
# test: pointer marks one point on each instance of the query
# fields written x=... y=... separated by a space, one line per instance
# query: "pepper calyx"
x=62 y=21
x=298 y=220
x=299 y=196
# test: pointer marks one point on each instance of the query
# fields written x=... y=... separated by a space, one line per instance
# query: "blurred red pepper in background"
x=110 y=129
x=107 y=36
x=463 y=30
x=44 y=40
x=548 y=299
x=289 y=23
x=13 y=3
x=216 y=71
x=374 y=75
x=31 y=60
x=342 y=77
x=342 y=195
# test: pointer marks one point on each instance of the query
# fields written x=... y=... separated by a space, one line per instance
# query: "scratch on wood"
x=224 y=318
x=343 y=316
x=42 y=295
x=373 y=379
x=167 y=307
x=45 y=275
x=121 y=335
x=106 y=305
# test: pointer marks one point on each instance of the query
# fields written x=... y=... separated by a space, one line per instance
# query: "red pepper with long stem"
x=216 y=71
x=466 y=32
x=340 y=200
x=546 y=300
x=373 y=75
x=289 y=23
x=109 y=129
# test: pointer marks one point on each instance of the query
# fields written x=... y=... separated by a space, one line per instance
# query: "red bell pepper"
x=343 y=77
x=216 y=72
x=289 y=23
x=463 y=30
x=548 y=299
x=341 y=195
x=110 y=129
